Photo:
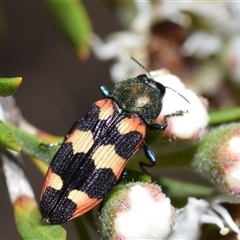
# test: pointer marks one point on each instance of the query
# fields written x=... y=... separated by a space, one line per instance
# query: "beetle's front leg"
x=162 y=126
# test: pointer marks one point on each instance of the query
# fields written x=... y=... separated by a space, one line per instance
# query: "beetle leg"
x=49 y=145
x=52 y=145
x=49 y=148
x=160 y=127
x=73 y=127
x=150 y=156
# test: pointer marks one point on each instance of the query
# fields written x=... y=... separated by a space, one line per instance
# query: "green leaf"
x=73 y=21
x=8 y=138
x=8 y=86
x=29 y=223
x=34 y=146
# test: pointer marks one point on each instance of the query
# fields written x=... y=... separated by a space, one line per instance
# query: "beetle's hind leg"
x=47 y=150
x=156 y=127
x=150 y=156
x=74 y=126
x=48 y=146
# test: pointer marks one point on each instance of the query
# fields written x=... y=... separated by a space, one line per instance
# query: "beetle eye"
x=161 y=88
x=147 y=79
x=143 y=77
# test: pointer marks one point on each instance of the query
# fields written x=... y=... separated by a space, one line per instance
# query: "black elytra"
x=78 y=171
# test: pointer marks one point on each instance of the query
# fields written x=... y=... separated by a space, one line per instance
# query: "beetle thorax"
x=138 y=97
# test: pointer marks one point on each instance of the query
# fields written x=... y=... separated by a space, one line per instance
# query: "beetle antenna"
x=138 y=63
x=178 y=93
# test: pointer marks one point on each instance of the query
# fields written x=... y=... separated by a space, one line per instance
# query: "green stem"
x=224 y=115
x=180 y=189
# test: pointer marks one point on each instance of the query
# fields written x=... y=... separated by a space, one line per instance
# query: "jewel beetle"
x=93 y=155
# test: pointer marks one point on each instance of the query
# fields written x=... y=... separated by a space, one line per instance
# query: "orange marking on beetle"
x=132 y=124
x=106 y=109
x=106 y=157
x=83 y=201
x=82 y=141
x=53 y=180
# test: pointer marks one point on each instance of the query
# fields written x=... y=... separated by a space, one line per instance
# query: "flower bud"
x=136 y=211
x=218 y=158
x=194 y=118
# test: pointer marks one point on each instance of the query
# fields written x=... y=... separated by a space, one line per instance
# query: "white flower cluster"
x=219 y=35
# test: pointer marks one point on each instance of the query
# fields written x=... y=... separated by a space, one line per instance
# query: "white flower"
x=224 y=214
x=188 y=221
x=120 y=46
x=140 y=211
x=217 y=26
x=197 y=212
x=195 y=119
x=195 y=46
